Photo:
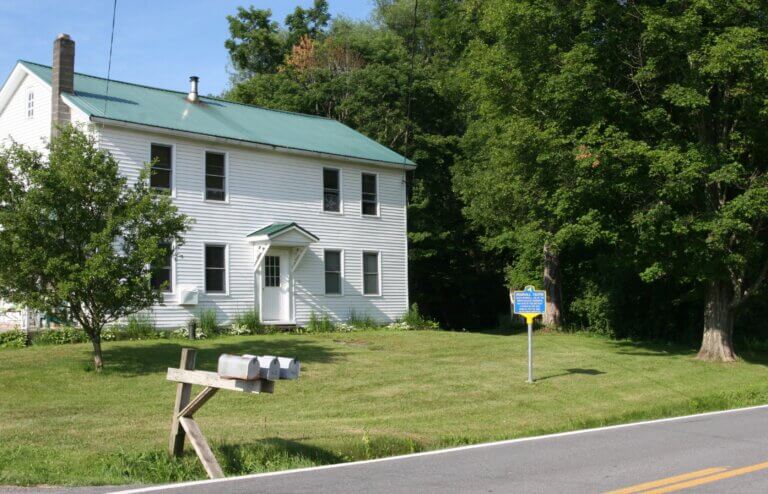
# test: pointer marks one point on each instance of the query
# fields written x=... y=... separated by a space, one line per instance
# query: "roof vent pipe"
x=192 y=96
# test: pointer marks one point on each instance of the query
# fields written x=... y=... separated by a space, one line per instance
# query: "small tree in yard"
x=76 y=238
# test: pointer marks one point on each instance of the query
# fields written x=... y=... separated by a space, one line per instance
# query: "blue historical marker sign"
x=530 y=302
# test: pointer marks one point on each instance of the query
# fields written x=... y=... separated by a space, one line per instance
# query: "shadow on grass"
x=131 y=360
x=504 y=331
x=272 y=454
x=749 y=353
x=266 y=455
x=571 y=372
x=651 y=348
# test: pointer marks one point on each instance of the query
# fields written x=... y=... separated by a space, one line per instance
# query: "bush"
x=183 y=333
x=61 y=336
x=206 y=321
x=592 y=309
x=413 y=319
x=361 y=321
x=13 y=339
x=111 y=333
x=320 y=324
x=237 y=330
x=247 y=321
x=140 y=327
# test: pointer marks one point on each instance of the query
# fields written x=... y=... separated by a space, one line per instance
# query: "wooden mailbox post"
x=183 y=423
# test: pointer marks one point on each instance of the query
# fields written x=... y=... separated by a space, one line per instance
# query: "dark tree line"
x=613 y=152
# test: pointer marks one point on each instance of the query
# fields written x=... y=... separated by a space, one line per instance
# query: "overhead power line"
x=408 y=126
x=109 y=64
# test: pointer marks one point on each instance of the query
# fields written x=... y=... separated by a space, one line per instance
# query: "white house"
x=292 y=213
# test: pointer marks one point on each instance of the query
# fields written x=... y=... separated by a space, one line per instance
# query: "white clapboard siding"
x=32 y=132
x=266 y=187
x=35 y=131
x=263 y=187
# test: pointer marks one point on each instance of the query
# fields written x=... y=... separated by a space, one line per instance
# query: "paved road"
x=57 y=490
x=724 y=452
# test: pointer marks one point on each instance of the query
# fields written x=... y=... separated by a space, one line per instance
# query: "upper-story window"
x=30 y=103
x=331 y=190
x=162 y=167
x=370 y=199
x=215 y=176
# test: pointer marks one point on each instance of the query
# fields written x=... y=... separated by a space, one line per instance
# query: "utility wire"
x=109 y=64
x=408 y=126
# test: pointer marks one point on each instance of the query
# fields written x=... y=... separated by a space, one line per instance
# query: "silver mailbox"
x=239 y=367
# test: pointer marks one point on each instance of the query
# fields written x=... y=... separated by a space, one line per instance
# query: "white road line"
x=438 y=451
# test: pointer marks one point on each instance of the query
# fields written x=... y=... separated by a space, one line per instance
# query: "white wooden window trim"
x=341 y=274
x=226 y=269
x=173 y=272
x=380 y=274
x=405 y=238
x=378 y=196
x=173 y=163
x=226 y=175
x=340 y=212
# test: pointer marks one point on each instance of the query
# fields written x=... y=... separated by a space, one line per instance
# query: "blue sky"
x=157 y=42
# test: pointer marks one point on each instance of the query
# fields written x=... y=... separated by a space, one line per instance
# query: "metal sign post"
x=529 y=303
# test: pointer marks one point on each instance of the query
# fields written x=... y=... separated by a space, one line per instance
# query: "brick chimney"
x=62 y=80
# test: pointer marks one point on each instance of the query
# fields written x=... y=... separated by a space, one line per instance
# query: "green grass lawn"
x=361 y=395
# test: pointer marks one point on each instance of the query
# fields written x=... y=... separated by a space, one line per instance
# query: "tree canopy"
x=361 y=73
x=613 y=152
x=77 y=241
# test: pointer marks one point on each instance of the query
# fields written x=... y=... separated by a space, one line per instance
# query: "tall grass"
x=361 y=321
x=13 y=339
x=320 y=323
x=249 y=320
x=415 y=320
x=140 y=327
x=61 y=336
x=207 y=321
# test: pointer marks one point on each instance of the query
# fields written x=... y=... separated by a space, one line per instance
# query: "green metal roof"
x=142 y=105
x=275 y=229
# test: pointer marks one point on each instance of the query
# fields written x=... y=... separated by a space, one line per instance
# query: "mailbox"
x=237 y=367
x=270 y=367
x=289 y=367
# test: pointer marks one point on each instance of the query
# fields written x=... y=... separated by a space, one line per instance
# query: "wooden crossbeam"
x=183 y=424
x=212 y=379
x=212 y=467
x=183 y=394
x=199 y=400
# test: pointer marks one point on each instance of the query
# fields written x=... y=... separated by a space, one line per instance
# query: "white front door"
x=276 y=285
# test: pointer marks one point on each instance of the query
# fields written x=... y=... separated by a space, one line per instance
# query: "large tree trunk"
x=717 y=343
x=552 y=285
x=98 y=362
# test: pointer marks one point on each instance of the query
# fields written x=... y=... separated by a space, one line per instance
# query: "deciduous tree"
x=76 y=240
x=701 y=79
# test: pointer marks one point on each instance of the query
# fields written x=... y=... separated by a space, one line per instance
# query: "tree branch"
x=752 y=289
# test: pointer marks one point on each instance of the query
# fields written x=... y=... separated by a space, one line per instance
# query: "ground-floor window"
x=333 y=272
x=371 y=273
x=215 y=268
x=162 y=273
